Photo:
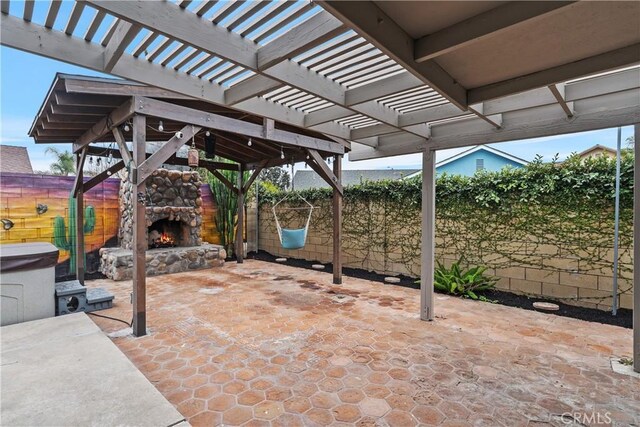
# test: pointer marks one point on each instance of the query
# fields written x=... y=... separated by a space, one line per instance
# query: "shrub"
x=470 y=283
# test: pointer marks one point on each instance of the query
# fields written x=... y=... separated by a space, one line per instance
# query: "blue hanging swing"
x=293 y=238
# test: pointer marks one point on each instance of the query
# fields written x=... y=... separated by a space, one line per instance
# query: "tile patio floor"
x=266 y=344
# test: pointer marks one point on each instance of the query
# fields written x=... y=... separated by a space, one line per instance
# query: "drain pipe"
x=616 y=237
x=257 y=219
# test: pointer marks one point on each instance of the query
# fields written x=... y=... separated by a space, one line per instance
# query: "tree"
x=631 y=141
x=278 y=176
x=64 y=163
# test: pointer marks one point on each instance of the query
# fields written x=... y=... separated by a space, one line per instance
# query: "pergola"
x=94 y=110
x=392 y=77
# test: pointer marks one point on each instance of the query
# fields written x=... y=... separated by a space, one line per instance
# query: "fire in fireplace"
x=165 y=234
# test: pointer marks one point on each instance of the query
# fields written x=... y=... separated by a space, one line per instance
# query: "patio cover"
x=392 y=77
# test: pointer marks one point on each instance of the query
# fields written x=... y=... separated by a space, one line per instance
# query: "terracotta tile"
x=374 y=407
x=251 y=397
x=346 y=413
x=237 y=415
x=221 y=402
x=287 y=335
x=268 y=410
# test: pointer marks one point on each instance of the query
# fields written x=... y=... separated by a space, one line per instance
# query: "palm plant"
x=64 y=163
x=226 y=218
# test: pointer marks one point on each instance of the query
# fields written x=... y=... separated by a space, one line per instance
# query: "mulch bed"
x=623 y=318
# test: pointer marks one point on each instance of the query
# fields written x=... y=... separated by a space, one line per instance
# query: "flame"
x=166 y=238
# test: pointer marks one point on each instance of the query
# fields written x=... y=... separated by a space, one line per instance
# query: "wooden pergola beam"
x=77 y=182
x=165 y=152
x=97 y=179
x=105 y=125
x=318 y=164
x=166 y=110
x=557 y=90
x=123 y=35
x=254 y=175
x=139 y=232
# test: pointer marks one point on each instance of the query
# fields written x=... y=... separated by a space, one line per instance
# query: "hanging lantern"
x=193 y=155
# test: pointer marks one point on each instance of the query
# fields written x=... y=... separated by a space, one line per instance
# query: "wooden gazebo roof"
x=75 y=104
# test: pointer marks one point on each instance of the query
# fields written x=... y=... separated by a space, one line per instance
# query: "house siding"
x=467 y=165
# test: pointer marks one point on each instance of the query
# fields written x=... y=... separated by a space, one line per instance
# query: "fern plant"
x=456 y=281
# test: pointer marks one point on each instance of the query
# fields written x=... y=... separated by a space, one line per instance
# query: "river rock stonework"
x=171 y=194
x=117 y=263
x=174 y=196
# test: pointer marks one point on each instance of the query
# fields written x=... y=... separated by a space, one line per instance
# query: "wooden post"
x=79 y=201
x=139 y=230
x=636 y=250
x=428 y=234
x=337 y=223
x=240 y=226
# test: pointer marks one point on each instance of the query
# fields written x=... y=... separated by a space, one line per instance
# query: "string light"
x=110 y=157
x=160 y=126
x=91 y=160
x=249 y=142
x=98 y=161
x=126 y=127
x=281 y=152
x=179 y=135
x=108 y=173
x=207 y=133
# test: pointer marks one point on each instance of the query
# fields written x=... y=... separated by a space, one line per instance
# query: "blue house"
x=476 y=159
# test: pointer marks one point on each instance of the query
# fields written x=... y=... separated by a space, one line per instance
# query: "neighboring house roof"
x=597 y=149
x=479 y=148
x=14 y=159
x=305 y=179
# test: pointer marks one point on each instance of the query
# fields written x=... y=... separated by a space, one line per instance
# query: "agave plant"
x=456 y=281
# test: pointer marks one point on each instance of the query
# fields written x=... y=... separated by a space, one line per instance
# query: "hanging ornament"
x=192 y=155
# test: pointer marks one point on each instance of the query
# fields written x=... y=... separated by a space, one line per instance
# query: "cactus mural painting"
x=39 y=210
x=65 y=237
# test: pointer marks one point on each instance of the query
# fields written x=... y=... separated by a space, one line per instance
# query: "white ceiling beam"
x=368 y=20
x=611 y=110
x=381 y=88
x=596 y=64
x=557 y=91
x=494 y=120
x=432 y=114
x=369 y=131
x=187 y=27
x=123 y=35
x=18 y=34
x=315 y=31
x=483 y=25
x=175 y=23
x=254 y=86
x=325 y=115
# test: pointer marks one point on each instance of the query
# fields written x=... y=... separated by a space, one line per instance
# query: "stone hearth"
x=174 y=212
x=117 y=263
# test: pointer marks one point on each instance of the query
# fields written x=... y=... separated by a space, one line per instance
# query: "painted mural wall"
x=33 y=202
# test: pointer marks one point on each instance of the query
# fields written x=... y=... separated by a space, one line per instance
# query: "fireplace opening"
x=166 y=234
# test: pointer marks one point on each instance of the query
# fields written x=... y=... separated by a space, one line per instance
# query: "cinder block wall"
x=563 y=276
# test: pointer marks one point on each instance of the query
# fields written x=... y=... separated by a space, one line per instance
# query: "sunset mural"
x=33 y=202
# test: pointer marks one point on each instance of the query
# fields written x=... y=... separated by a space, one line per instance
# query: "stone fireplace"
x=174 y=220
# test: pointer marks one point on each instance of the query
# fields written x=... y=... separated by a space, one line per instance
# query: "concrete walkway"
x=262 y=344
x=63 y=371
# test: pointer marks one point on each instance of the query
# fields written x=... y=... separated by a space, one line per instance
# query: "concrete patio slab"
x=261 y=344
x=65 y=371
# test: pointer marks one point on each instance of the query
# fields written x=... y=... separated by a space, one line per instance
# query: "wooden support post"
x=240 y=226
x=139 y=230
x=636 y=251
x=337 y=222
x=428 y=234
x=79 y=201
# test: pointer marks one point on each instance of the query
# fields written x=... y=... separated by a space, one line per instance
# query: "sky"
x=26 y=78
